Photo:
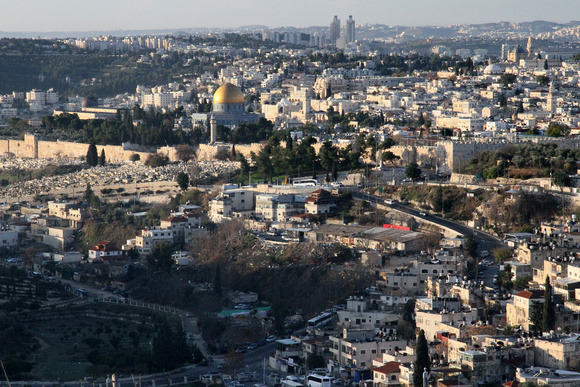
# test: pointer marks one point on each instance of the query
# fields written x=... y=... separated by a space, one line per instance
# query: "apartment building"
x=558 y=351
x=432 y=322
x=145 y=242
x=183 y=226
x=519 y=310
x=358 y=348
x=235 y=203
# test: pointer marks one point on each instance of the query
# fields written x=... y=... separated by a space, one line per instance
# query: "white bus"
x=291 y=383
x=320 y=320
x=305 y=183
x=314 y=380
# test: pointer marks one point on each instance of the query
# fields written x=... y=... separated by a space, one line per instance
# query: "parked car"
x=271 y=338
x=245 y=376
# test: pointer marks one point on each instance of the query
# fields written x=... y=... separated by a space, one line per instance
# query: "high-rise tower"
x=349 y=29
x=334 y=29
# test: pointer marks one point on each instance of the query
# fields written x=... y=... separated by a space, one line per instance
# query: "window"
x=373 y=351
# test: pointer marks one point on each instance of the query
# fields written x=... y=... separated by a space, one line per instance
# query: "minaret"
x=212 y=130
x=550 y=105
x=529 y=47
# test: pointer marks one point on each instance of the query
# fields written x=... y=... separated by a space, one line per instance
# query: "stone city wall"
x=454 y=156
x=459 y=153
x=446 y=156
x=209 y=151
x=31 y=147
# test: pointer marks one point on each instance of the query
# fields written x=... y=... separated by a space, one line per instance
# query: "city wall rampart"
x=454 y=156
x=209 y=151
x=31 y=147
x=444 y=156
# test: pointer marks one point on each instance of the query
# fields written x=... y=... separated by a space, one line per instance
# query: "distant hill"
x=539 y=29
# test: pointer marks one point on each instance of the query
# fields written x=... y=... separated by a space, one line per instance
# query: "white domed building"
x=493 y=69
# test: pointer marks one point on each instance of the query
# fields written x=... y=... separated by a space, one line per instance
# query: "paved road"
x=486 y=241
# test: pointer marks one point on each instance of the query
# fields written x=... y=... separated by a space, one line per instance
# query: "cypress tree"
x=549 y=315
x=289 y=141
x=421 y=120
x=422 y=362
x=102 y=159
x=92 y=155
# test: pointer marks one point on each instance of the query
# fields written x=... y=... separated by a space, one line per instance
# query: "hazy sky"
x=87 y=15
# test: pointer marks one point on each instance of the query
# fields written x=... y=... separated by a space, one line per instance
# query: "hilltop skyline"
x=107 y=15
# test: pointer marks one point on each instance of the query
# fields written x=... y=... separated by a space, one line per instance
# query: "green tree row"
x=545 y=159
x=152 y=129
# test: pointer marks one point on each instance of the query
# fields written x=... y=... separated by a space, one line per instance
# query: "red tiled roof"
x=320 y=192
x=533 y=294
x=391 y=367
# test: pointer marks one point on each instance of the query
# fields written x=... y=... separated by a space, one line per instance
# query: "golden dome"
x=228 y=93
